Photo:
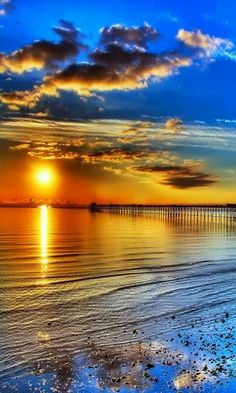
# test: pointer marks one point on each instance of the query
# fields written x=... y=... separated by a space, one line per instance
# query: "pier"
x=214 y=210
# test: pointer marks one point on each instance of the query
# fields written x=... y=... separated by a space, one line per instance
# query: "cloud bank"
x=103 y=146
x=122 y=61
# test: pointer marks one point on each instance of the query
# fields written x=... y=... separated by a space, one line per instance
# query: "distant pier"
x=226 y=210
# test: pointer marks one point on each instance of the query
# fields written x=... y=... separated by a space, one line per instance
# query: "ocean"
x=94 y=302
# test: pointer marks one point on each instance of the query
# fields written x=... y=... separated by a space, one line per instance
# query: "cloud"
x=115 y=68
x=50 y=150
x=181 y=176
x=15 y=99
x=67 y=31
x=127 y=160
x=5 y=6
x=119 y=154
x=122 y=61
x=209 y=44
x=93 y=142
x=21 y=146
x=138 y=127
x=120 y=34
x=98 y=145
x=44 y=54
x=174 y=124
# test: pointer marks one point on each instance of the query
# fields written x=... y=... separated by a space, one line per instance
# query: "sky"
x=130 y=102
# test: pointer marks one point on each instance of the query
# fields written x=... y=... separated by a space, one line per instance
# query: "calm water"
x=92 y=302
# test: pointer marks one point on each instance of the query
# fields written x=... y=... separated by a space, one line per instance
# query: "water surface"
x=92 y=302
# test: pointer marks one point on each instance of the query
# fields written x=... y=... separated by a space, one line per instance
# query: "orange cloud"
x=206 y=42
x=174 y=124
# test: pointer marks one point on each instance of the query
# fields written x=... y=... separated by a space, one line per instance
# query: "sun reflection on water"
x=44 y=238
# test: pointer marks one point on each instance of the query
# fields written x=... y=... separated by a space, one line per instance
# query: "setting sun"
x=44 y=176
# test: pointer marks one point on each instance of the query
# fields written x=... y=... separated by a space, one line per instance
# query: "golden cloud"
x=206 y=42
x=44 y=54
x=132 y=73
x=174 y=124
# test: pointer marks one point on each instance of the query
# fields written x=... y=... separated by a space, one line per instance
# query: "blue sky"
x=205 y=90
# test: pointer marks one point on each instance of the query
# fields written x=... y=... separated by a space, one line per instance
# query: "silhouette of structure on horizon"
x=93 y=207
x=228 y=210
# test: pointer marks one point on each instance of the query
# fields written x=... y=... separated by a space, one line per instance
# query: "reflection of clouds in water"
x=61 y=371
x=128 y=366
x=131 y=365
x=142 y=365
x=189 y=379
x=139 y=366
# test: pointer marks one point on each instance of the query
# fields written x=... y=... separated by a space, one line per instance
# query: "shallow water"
x=92 y=302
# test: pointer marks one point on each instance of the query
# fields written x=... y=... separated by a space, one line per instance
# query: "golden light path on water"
x=44 y=238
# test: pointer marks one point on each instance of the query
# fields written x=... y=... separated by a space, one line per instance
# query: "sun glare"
x=44 y=177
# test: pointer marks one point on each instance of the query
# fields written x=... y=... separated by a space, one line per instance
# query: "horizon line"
x=75 y=205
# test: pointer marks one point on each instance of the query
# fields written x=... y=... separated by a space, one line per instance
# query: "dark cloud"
x=115 y=57
x=180 y=176
x=115 y=68
x=138 y=36
x=67 y=31
x=44 y=54
x=119 y=154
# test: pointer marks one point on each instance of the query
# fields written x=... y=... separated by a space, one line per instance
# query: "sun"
x=44 y=176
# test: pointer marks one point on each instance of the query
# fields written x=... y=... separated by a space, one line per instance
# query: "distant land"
x=38 y=204
x=97 y=206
